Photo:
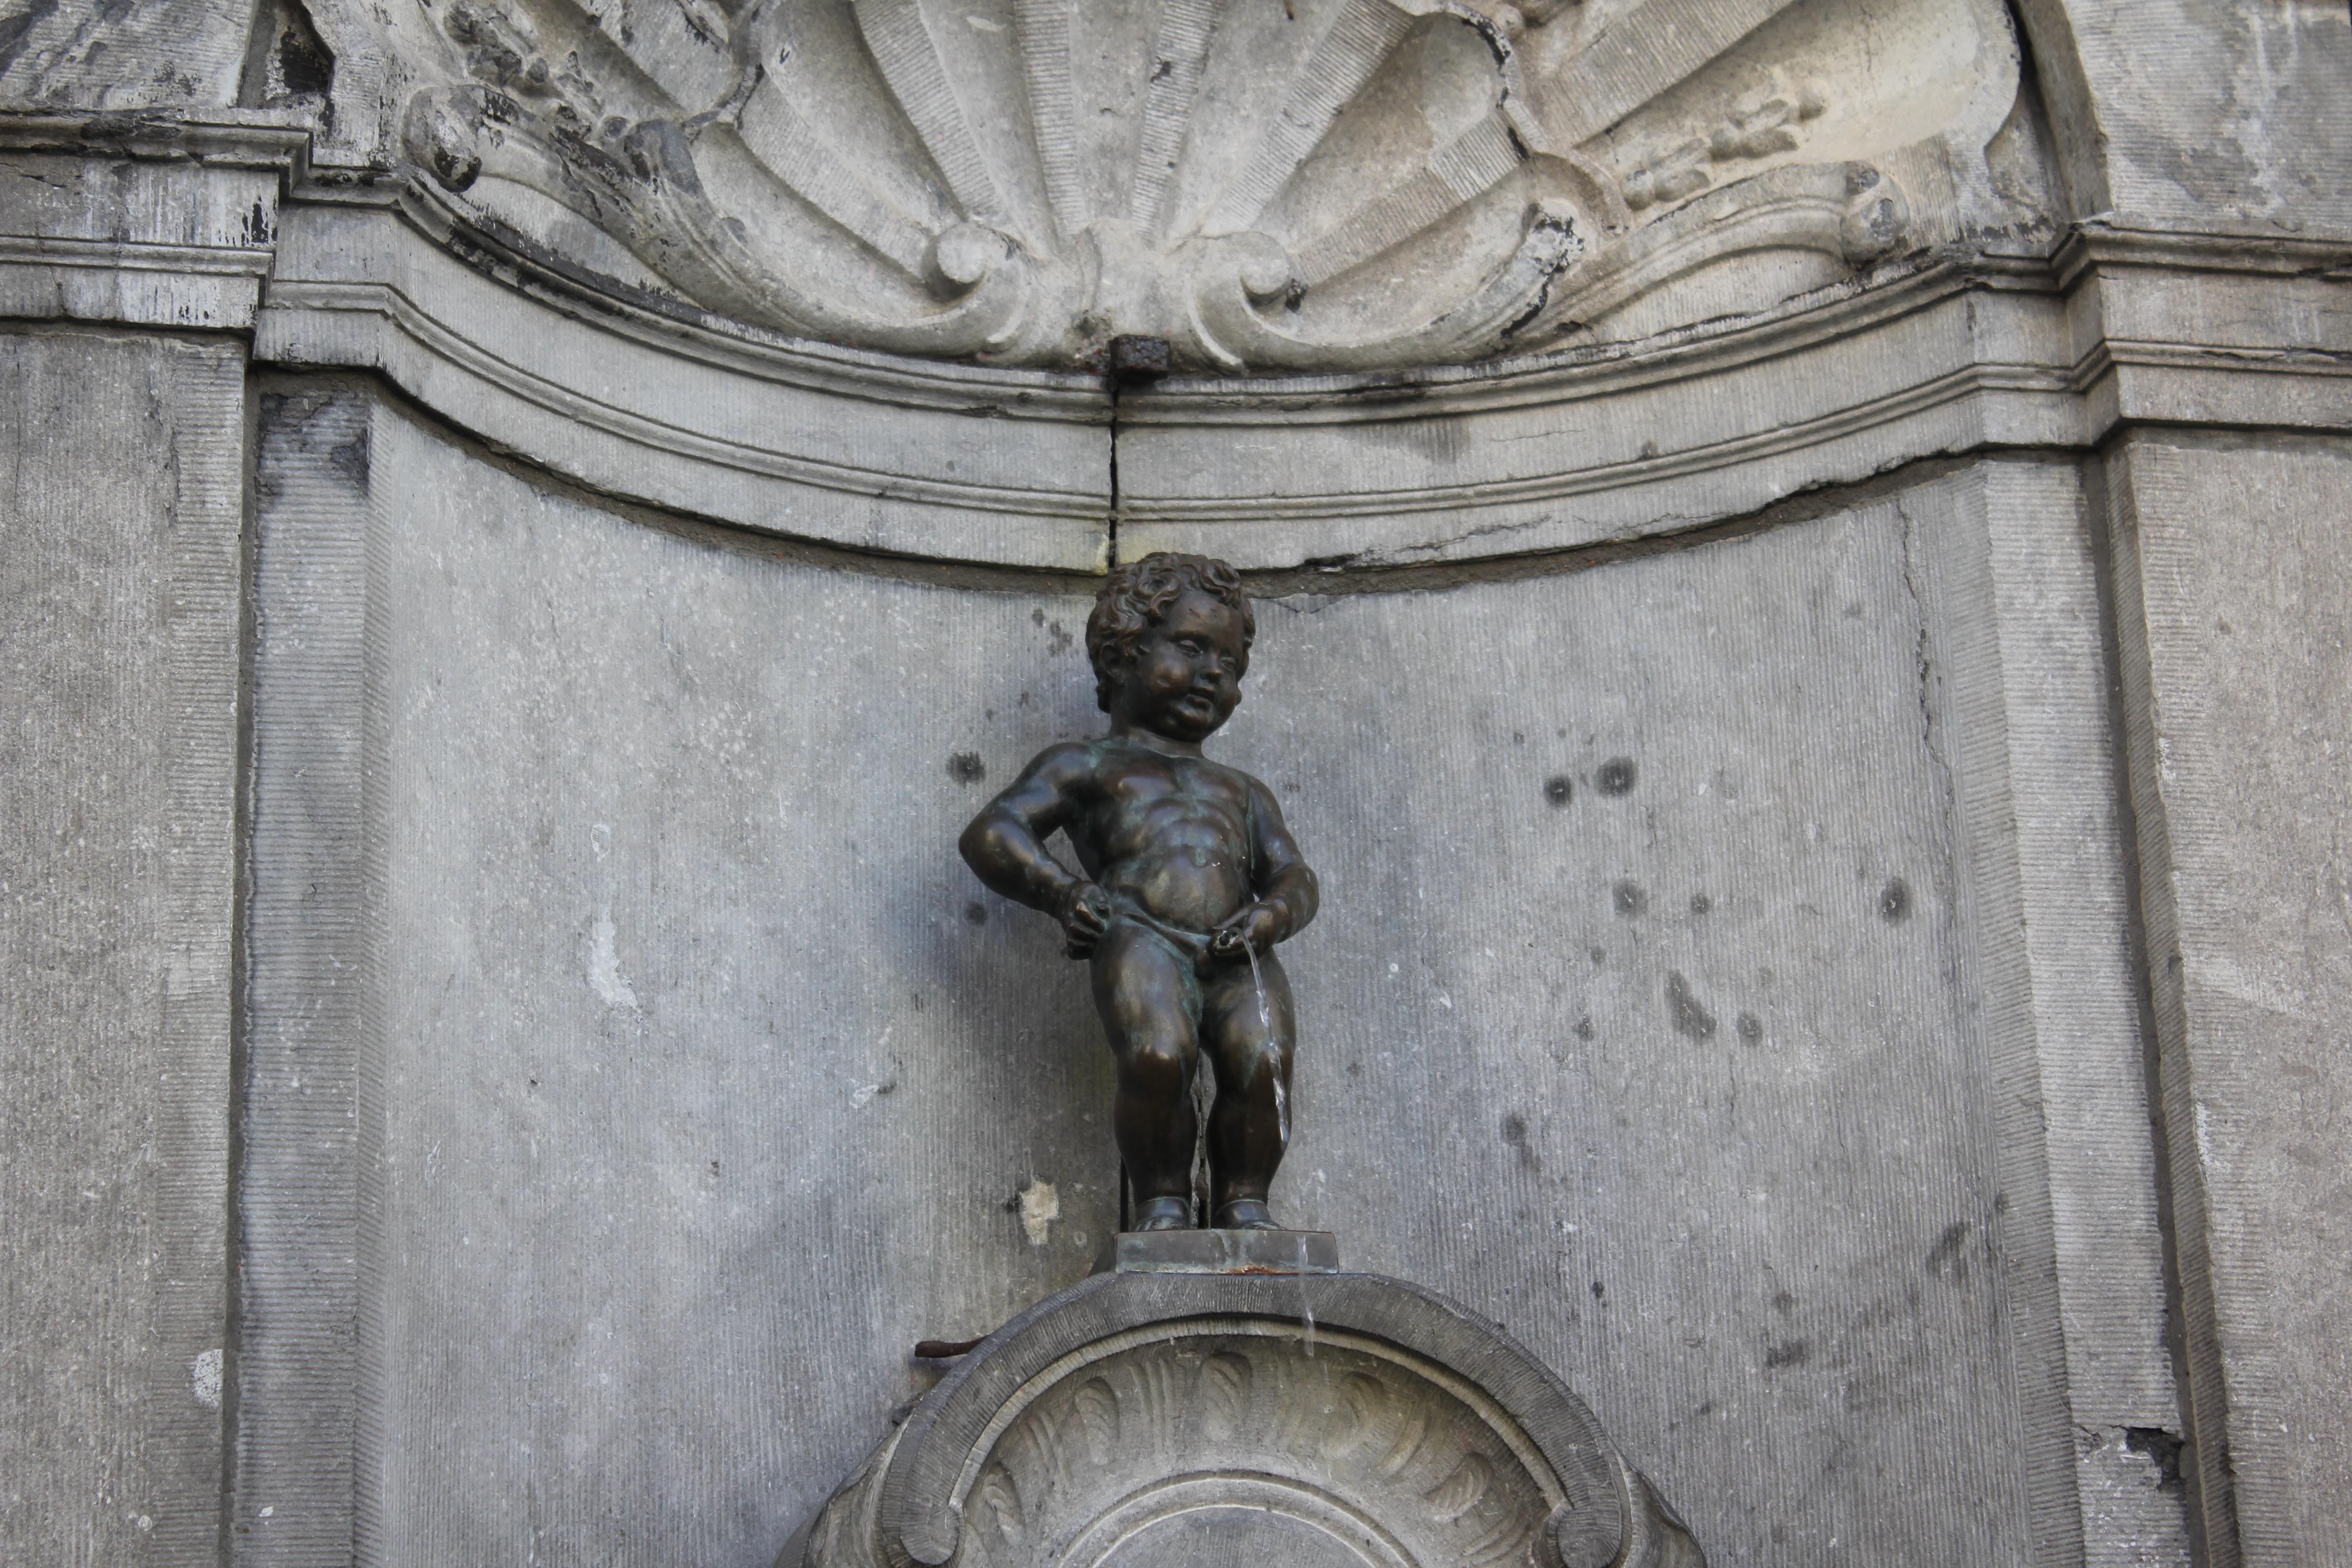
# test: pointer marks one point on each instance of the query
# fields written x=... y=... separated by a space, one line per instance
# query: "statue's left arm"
x=1284 y=883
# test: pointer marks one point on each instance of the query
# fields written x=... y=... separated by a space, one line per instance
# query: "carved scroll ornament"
x=1269 y=184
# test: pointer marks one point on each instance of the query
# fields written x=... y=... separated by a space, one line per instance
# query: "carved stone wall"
x=1798 y=621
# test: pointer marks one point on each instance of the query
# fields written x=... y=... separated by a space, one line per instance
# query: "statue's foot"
x=1164 y=1214
x=1244 y=1214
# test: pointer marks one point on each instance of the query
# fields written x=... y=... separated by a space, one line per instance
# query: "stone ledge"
x=1225 y=1252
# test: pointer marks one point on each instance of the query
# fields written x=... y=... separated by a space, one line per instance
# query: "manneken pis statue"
x=1190 y=879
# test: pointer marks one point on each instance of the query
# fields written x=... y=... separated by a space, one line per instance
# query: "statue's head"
x=1170 y=640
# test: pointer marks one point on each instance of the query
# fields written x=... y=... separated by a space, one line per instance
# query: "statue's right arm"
x=1005 y=844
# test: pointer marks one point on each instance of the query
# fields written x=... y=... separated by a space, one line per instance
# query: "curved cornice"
x=651 y=402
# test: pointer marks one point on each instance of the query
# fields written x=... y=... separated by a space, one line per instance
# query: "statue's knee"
x=1259 y=1067
x=1158 y=1063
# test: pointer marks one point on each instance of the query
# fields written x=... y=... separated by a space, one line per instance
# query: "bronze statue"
x=1191 y=879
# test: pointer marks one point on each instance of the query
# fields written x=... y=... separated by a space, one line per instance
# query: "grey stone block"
x=2231 y=583
x=120 y=601
x=1225 y=1252
x=187 y=53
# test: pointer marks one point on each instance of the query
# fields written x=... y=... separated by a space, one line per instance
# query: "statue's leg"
x=1151 y=1008
x=1247 y=1027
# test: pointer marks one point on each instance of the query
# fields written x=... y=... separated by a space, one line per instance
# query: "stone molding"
x=1551 y=452
x=933 y=460
x=1375 y=1412
x=179 y=231
x=820 y=447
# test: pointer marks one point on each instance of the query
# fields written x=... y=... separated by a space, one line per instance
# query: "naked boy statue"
x=1190 y=880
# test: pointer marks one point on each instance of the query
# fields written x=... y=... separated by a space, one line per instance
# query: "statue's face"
x=1185 y=677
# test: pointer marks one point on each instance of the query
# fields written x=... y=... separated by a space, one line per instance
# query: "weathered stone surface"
x=2200 y=114
x=908 y=458
x=2022 y=663
x=640 y=1130
x=73 y=54
x=2232 y=587
x=119 y=603
x=148 y=218
x=1225 y=1252
x=305 y=1149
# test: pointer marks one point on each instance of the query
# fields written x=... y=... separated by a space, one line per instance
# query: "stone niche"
x=1668 y=1008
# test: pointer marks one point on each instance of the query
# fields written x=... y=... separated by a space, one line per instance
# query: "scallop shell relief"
x=1268 y=185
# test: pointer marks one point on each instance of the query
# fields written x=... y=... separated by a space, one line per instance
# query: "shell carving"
x=1268 y=185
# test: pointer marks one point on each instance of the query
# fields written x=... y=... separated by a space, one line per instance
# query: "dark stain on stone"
x=1783 y=1302
x=1796 y=1352
x=1894 y=901
x=1584 y=1027
x=350 y=459
x=1614 y=777
x=13 y=29
x=1514 y=1133
x=966 y=768
x=1691 y=1017
x=975 y=913
x=1751 y=1029
x=1701 y=903
x=1061 y=638
x=2163 y=1450
x=1597 y=1291
x=304 y=64
x=1944 y=1259
x=1629 y=899
x=1557 y=789
x=1597 y=955
x=1036 y=618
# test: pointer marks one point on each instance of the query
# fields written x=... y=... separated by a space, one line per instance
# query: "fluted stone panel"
x=120 y=594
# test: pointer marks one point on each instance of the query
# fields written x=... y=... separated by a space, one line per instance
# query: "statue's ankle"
x=1164 y=1214
x=1244 y=1214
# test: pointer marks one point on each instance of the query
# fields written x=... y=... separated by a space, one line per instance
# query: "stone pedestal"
x=1231 y=1396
